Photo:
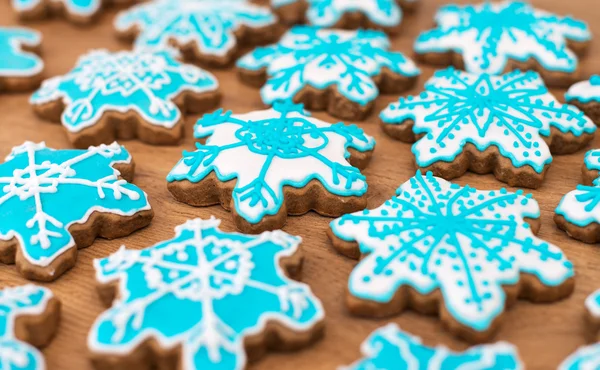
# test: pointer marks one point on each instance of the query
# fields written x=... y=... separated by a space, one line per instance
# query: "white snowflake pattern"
x=465 y=242
x=188 y=291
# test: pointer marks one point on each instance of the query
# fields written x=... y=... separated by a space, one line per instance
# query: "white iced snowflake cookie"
x=351 y=14
x=508 y=125
x=496 y=37
x=586 y=96
x=264 y=165
x=207 y=31
x=459 y=251
x=125 y=95
x=390 y=348
x=202 y=300
x=578 y=212
x=587 y=357
x=76 y=11
x=342 y=72
x=53 y=202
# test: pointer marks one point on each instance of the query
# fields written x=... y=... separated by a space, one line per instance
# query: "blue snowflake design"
x=104 y=82
x=327 y=13
x=467 y=243
x=580 y=207
x=14 y=61
x=209 y=25
x=585 y=91
x=85 y=8
x=490 y=34
x=587 y=357
x=312 y=57
x=44 y=191
x=27 y=300
x=390 y=348
x=188 y=292
x=267 y=150
x=514 y=112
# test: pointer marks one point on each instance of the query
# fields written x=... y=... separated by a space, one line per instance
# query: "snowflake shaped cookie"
x=123 y=95
x=508 y=125
x=380 y=14
x=29 y=317
x=187 y=293
x=495 y=37
x=390 y=348
x=283 y=162
x=340 y=71
x=578 y=212
x=206 y=31
x=587 y=357
x=465 y=243
x=20 y=68
x=49 y=200
x=586 y=96
x=77 y=11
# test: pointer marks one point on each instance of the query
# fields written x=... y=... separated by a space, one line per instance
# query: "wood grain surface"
x=545 y=334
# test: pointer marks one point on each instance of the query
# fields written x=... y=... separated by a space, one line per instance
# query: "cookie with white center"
x=586 y=96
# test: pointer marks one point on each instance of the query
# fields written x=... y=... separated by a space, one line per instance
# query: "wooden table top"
x=544 y=334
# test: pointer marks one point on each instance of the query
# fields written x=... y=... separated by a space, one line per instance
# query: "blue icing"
x=44 y=191
x=14 y=302
x=580 y=206
x=14 y=62
x=489 y=34
x=326 y=13
x=584 y=358
x=267 y=150
x=467 y=243
x=144 y=82
x=585 y=91
x=514 y=112
x=76 y=7
x=188 y=291
x=389 y=348
x=318 y=58
x=208 y=25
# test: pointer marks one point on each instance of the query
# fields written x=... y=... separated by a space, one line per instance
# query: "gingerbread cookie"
x=338 y=71
x=389 y=348
x=496 y=37
x=55 y=201
x=208 y=31
x=203 y=300
x=508 y=125
x=350 y=14
x=20 y=66
x=440 y=248
x=264 y=165
x=578 y=212
x=126 y=95
x=29 y=318
x=76 y=11
x=586 y=96
x=587 y=357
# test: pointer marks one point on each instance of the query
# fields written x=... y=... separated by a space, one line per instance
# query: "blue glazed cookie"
x=76 y=11
x=20 y=66
x=202 y=300
x=496 y=37
x=463 y=253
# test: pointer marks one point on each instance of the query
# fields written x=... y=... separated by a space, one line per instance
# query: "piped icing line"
x=84 y=8
x=187 y=292
x=586 y=357
x=26 y=300
x=513 y=112
x=145 y=82
x=270 y=149
x=490 y=34
x=327 y=13
x=310 y=57
x=466 y=243
x=390 y=348
x=36 y=184
x=209 y=25
x=14 y=61
x=585 y=91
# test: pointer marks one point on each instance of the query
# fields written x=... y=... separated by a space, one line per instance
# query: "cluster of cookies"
x=434 y=247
